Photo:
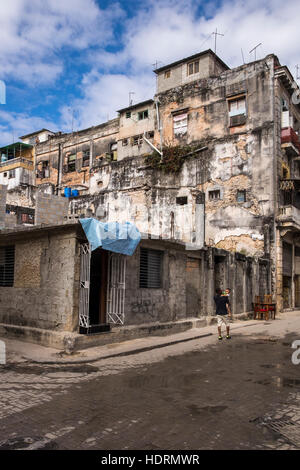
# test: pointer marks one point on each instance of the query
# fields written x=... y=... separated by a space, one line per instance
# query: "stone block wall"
x=51 y=209
x=44 y=292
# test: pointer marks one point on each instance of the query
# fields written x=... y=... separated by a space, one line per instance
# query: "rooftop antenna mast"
x=215 y=33
x=297 y=72
x=254 y=49
x=130 y=99
x=243 y=56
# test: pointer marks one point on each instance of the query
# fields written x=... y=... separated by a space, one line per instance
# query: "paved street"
x=199 y=394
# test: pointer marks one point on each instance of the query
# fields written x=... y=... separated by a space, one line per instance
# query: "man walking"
x=222 y=312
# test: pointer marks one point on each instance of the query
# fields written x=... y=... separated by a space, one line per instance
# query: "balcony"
x=290 y=141
x=289 y=203
x=16 y=162
x=289 y=216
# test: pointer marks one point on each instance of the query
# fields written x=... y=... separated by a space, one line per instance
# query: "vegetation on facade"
x=173 y=157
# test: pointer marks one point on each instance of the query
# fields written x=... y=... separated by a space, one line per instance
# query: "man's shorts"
x=223 y=319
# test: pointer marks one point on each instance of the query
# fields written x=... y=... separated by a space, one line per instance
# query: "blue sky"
x=75 y=61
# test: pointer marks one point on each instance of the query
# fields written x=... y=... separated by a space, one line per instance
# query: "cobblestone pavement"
x=238 y=394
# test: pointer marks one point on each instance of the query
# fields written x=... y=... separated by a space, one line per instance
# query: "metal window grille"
x=115 y=306
x=7 y=266
x=85 y=268
x=150 y=268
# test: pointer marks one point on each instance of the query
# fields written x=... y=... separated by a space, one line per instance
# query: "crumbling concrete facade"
x=212 y=161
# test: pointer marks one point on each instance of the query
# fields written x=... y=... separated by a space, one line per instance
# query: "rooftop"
x=35 y=133
x=137 y=105
x=192 y=57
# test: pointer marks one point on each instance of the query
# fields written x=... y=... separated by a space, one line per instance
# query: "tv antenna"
x=215 y=33
x=130 y=99
x=243 y=56
x=155 y=65
x=254 y=49
x=297 y=72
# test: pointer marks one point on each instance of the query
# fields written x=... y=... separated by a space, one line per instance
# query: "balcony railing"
x=18 y=160
x=289 y=214
x=289 y=136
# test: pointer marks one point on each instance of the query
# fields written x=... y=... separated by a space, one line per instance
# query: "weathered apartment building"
x=210 y=163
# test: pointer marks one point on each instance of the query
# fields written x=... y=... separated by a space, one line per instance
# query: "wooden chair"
x=256 y=306
x=272 y=307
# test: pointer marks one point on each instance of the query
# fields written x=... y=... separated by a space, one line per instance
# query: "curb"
x=124 y=353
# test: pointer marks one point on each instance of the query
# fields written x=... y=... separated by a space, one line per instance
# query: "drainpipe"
x=159 y=128
x=151 y=145
x=58 y=169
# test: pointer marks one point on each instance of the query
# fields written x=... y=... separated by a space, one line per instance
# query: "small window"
x=86 y=157
x=181 y=201
x=237 y=106
x=143 y=115
x=12 y=174
x=7 y=266
x=137 y=140
x=124 y=142
x=193 y=67
x=214 y=195
x=45 y=169
x=72 y=162
x=150 y=268
x=241 y=196
x=150 y=135
x=128 y=114
x=167 y=73
x=5 y=174
x=180 y=124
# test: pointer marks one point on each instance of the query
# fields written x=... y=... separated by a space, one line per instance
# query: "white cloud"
x=13 y=125
x=103 y=96
x=33 y=34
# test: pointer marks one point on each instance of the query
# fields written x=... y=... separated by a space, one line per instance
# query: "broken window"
x=180 y=124
x=27 y=218
x=193 y=67
x=167 y=74
x=86 y=157
x=150 y=135
x=128 y=114
x=150 y=268
x=214 y=195
x=143 y=115
x=72 y=162
x=181 y=201
x=7 y=266
x=241 y=196
x=124 y=142
x=114 y=151
x=12 y=174
x=5 y=174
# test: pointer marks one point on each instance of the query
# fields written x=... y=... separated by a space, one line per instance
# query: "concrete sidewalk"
x=18 y=351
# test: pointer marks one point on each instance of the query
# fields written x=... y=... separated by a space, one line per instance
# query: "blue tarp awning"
x=111 y=236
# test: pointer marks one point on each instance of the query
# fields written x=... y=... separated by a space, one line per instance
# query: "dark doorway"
x=98 y=287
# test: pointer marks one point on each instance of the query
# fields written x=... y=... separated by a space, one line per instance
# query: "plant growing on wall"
x=173 y=157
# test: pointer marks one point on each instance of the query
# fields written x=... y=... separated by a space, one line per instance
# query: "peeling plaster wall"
x=45 y=277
